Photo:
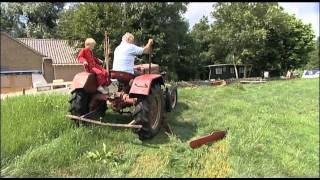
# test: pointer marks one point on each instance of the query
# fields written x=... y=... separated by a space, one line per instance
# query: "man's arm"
x=147 y=48
x=136 y=50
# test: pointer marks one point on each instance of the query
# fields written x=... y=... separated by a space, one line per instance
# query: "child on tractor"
x=94 y=65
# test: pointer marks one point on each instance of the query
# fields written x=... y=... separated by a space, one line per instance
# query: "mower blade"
x=88 y=115
x=208 y=138
x=103 y=123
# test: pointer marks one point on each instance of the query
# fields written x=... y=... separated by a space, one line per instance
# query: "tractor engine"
x=118 y=95
x=119 y=90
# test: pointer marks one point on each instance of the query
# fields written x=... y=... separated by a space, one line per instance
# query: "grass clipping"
x=214 y=162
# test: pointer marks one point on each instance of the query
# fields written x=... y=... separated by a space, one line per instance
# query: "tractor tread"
x=142 y=117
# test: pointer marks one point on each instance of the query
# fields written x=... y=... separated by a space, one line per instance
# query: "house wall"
x=15 y=56
x=13 y=83
x=67 y=72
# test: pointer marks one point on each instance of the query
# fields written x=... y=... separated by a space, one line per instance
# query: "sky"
x=307 y=12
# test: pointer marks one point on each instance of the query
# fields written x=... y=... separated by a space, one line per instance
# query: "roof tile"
x=56 y=49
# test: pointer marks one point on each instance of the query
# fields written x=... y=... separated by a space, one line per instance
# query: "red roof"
x=56 y=49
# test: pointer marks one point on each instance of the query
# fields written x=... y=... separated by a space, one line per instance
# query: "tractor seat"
x=121 y=76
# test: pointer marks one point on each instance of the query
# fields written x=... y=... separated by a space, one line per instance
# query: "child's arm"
x=99 y=61
x=81 y=57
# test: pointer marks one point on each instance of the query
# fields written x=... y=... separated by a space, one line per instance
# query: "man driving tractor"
x=124 y=56
x=125 y=53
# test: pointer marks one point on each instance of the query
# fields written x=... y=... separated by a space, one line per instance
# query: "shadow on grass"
x=181 y=129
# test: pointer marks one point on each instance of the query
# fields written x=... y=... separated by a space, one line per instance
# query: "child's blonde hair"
x=89 y=41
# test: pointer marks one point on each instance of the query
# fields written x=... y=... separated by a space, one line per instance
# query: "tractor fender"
x=86 y=81
x=141 y=85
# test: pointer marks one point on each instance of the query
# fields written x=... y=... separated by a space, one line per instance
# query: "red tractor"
x=147 y=93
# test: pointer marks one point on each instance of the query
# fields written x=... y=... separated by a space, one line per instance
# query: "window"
x=232 y=70
x=241 y=70
x=224 y=69
x=218 y=70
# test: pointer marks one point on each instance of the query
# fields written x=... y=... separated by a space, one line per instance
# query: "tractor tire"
x=171 y=98
x=79 y=104
x=150 y=114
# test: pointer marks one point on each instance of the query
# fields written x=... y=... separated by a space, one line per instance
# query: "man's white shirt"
x=124 y=56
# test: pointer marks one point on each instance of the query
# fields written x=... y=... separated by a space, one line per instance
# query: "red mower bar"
x=208 y=138
x=102 y=123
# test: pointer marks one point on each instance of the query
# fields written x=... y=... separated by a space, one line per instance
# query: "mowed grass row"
x=273 y=132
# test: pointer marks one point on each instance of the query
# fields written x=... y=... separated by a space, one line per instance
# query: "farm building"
x=227 y=71
x=23 y=57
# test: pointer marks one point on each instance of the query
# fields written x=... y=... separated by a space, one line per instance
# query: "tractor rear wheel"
x=150 y=114
x=79 y=102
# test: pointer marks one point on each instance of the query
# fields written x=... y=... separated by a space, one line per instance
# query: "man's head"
x=90 y=43
x=128 y=37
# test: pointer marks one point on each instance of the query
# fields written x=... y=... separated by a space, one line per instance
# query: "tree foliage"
x=261 y=34
x=10 y=19
x=314 y=60
x=201 y=35
x=161 y=21
x=37 y=20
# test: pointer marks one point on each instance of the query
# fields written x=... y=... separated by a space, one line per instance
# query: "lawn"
x=273 y=132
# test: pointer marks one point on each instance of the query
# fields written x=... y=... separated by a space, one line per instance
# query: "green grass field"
x=273 y=132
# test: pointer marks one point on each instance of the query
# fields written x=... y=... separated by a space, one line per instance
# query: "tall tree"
x=261 y=34
x=239 y=29
x=200 y=34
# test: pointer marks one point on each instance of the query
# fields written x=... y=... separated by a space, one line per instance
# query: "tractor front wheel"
x=150 y=113
x=171 y=98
